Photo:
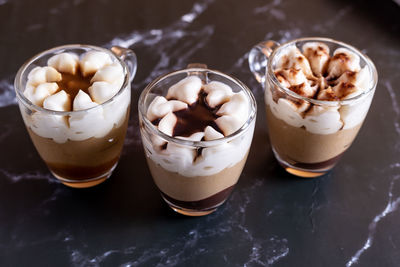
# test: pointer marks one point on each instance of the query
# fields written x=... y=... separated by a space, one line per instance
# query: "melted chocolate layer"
x=203 y=204
x=319 y=165
x=195 y=118
x=72 y=83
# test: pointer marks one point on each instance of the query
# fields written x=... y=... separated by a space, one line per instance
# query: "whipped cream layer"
x=315 y=74
x=179 y=113
x=77 y=83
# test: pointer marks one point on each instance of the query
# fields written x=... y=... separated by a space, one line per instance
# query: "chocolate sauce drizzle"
x=195 y=118
x=72 y=83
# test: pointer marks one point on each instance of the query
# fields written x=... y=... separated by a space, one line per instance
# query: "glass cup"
x=305 y=144
x=81 y=148
x=195 y=186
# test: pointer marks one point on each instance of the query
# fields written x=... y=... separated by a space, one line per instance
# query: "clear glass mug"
x=81 y=148
x=309 y=146
x=195 y=186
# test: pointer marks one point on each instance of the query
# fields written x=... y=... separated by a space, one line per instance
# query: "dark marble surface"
x=349 y=217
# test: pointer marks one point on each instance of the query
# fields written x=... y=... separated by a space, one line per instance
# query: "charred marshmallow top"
x=313 y=73
x=196 y=111
x=73 y=83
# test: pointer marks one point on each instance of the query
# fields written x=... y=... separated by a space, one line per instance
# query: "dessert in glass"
x=197 y=126
x=75 y=102
x=317 y=94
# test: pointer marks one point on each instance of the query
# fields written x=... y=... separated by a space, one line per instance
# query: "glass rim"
x=209 y=143
x=368 y=61
x=18 y=80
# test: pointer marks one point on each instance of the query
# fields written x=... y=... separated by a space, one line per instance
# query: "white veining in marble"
x=395 y=106
x=273 y=9
x=331 y=22
x=31 y=176
x=192 y=244
x=7 y=93
x=392 y=206
x=2 y=2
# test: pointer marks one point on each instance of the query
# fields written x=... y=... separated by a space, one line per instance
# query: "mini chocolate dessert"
x=195 y=178
x=309 y=137
x=82 y=140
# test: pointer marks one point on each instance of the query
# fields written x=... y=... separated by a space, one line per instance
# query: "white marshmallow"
x=167 y=124
x=342 y=60
x=37 y=95
x=237 y=106
x=100 y=92
x=59 y=102
x=217 y=93
x=211 y=134
x=194 y=137
x=186 y=90
x=111 y=73
x=228 y=124
x=64 y=62
x=160 y=106
x=321 y=120
x=318 y=56
x=83 y=101
x=40 y=75
x=94 y=60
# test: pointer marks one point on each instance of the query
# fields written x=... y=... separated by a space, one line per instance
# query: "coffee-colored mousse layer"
x=297 y=145
x=196 y=188
x=81 y=160
x=203 y=204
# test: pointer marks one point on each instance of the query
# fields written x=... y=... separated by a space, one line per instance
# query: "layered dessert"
x=79 y=123
x=195 y=175
x=318 y=117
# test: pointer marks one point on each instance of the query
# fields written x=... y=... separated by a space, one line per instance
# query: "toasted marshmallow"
x=237 y=107
x=294 y=59
x=318 y=56
x=211 y=134
x=343 y=90
x=160 y=107
x=360 y=79
x=186 y=90
x=94 y=60
x=82 y=101
x=64 y=62
x=342 y=60
x=38 y=95
x=167 y=124
x=321 y=120
x=43 y=75
x=217 y=93
x=59 y=102
x=298 y=82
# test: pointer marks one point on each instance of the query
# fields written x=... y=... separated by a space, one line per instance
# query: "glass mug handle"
x=129 y=57
x=258 y=59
